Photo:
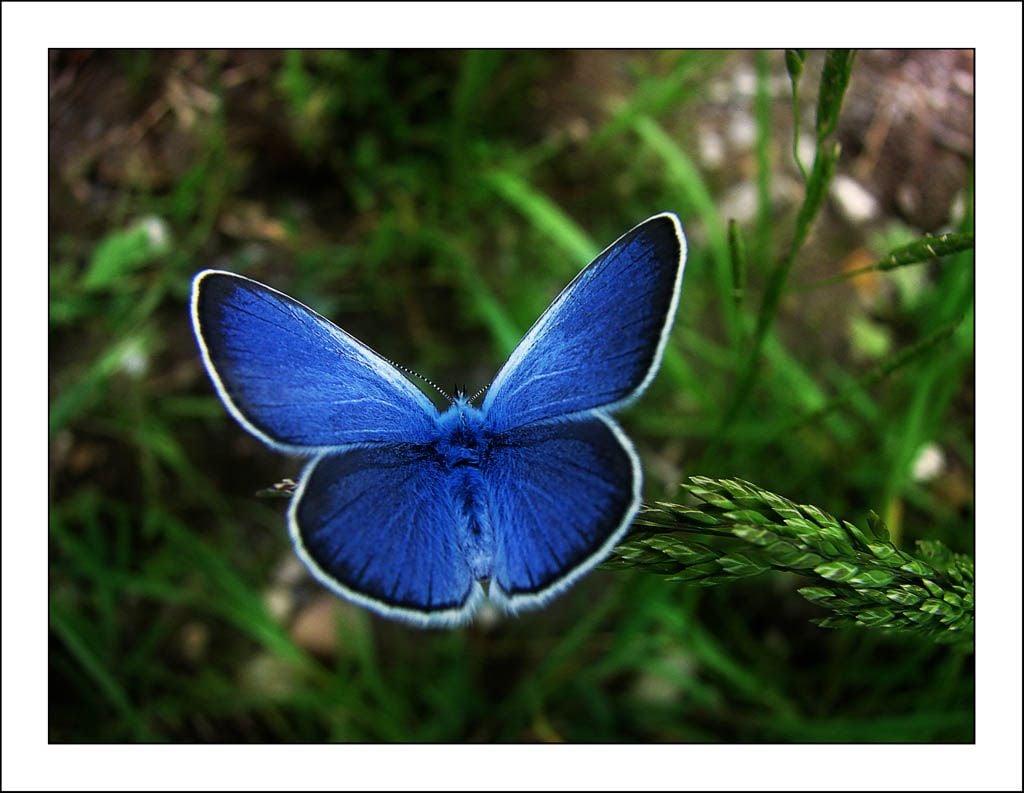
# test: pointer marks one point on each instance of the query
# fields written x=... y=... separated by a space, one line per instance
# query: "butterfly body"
x=461 y=451
x=419 y=514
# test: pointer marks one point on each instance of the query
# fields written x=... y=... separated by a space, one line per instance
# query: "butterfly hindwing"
x=600 y=342
x=377 y=525
x=562 y=493
x=294 y=379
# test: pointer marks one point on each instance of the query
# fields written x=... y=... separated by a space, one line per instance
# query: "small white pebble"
x=964 y=81
x=269 y=675
x=805 y=148
x=710 y=148
x=577 y=130
x=719 y=92
x=487 y=616
x=740 y=202
x=744 y=81
x=278 y=601
x=780 y=85
x=958 y=208
x=908 y=198
x=665 y=680
x=156 y=231
x=134 y=359
x=854 y=201
x=290 y=571
x=929 y=463
x=742 y=131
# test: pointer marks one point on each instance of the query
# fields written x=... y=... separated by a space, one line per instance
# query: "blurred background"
x=432 y=203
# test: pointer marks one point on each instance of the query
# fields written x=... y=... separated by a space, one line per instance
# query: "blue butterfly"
x=421 y=515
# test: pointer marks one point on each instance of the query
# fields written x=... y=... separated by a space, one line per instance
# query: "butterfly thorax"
x=461 y=438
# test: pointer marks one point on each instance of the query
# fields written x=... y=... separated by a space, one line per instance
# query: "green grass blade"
x=505 y=331
x=738 y=260
x=926 y=249
x=124 y=251
x=657 y=94
x=763 y=152
x=83 y=392
x=795 y=67
x=685 y=176
x=543 y=213
x=877 y=374
x=62 y=623
x=475 y=74
x=817 y=188
x=835 y=77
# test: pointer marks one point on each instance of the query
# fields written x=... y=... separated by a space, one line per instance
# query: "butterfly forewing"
x=294 y=379
x=600 y=342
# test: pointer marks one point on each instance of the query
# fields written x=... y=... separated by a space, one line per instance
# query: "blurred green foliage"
x=432 y=203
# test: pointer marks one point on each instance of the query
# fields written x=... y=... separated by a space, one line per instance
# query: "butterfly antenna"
x=478 y=393
x=426 y=380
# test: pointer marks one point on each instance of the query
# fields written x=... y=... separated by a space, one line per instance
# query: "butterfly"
x=422 y=515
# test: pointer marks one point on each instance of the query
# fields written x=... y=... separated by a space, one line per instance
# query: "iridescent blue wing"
x=378 y=525
x=600 y=342
x=560 y=495
x=294 y=380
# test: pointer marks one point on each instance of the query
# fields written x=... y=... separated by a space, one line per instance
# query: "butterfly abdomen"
x=461 y=449
x=475 y=533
